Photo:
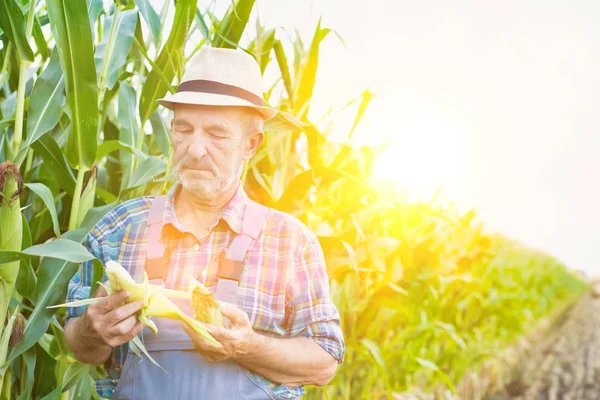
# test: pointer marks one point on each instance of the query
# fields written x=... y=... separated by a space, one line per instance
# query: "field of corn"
x=426 y=295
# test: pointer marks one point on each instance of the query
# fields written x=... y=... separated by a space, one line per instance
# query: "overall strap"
x=156 y=262
x=232 y=265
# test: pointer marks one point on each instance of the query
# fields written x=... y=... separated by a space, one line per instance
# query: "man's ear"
x=253 y=142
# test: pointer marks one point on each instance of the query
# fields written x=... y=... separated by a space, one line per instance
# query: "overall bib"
x=189 y=375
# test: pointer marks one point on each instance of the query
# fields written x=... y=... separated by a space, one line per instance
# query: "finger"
x=123 y=327
x=127 y=336
x=113 y=301
x=100 y=292
x=120 y=313
x=235 y=314
x=218 y=332
x=199 y=342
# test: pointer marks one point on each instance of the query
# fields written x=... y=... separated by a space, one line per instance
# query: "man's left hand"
x=236 y=340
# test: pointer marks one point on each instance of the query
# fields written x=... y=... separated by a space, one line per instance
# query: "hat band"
x=204 y=86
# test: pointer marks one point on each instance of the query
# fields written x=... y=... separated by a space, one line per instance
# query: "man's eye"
x=217 y=135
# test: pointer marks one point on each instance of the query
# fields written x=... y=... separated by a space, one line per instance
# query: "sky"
x=496 y=103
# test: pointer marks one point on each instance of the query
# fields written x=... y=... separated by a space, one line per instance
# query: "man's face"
x=209 y=147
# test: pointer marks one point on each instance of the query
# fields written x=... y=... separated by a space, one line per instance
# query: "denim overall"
x=189 y=375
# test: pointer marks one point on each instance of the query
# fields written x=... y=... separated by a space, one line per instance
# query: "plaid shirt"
x=285 y=292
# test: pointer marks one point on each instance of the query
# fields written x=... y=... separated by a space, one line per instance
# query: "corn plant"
x=424 y=293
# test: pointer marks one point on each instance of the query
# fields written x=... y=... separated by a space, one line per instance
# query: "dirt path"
x=567 y=364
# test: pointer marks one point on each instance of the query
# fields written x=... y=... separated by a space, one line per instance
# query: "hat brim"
x=211 y=99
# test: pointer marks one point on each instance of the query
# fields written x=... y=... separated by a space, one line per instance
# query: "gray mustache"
x=196 y=164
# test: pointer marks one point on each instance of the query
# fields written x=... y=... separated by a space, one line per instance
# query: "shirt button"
x=196 y=247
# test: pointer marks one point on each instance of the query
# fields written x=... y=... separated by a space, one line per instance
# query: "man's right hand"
x=109 y=322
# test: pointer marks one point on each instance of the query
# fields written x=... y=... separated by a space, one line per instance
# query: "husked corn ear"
x=204 y=304
x=156 y=302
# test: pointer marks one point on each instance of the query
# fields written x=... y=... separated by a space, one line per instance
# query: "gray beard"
x=208 y=187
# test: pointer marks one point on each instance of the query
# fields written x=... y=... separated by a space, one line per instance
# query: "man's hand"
x=108 y=322
x=236 y=340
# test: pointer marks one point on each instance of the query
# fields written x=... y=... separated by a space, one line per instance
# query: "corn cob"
x=204 y=304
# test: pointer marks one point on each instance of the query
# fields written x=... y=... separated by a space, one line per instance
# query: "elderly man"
x=264 y=266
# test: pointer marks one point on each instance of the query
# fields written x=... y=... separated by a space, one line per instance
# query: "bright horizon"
x=497 y=105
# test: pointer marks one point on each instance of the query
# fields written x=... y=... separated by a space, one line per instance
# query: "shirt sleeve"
x=80 y=284
x=313 y=312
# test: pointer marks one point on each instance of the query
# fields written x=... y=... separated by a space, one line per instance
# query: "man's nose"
x=198 y=146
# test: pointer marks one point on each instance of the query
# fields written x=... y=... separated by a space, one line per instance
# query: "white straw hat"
x=221 y=77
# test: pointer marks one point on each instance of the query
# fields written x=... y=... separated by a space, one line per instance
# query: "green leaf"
x=55 y=161
x=7 y=256
x=148 y=169
x=72 y=33
x=46 y=100
x=53 y=395
x=95 y=8
x=29 y=360
x=108 y=146
x=374 y=351
x=53 y=278
x=308 y=76
x=12 y=22
x=233 y=24
x=202 y=25
x=98 y=275
x=62 y=249
x=73 y=375
x=170 y=59
x=26 y=280
x=88 y=195
x=48 y=198
x=40 y=40
x=427 y=364
x=152 y=19
x=124 y=32
x=161 y=134
x=128 y=131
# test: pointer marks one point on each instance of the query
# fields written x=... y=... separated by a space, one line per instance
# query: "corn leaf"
x=308 y=76
x=108 y=146
x=169 y=61
x=12 y=23
x=56 y=162
x=71 y=27
x=46 y=100
x=62 y=249
x=47 y=197
x=7 y=256
x=152 y=19
x=117 y=55
x=148 y=169
x=128 y=131
x=233 y=24
x=161 y=134
x=53 y=277
x=73 y=375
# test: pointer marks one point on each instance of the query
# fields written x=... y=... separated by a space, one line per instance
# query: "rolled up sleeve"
x=314 y=314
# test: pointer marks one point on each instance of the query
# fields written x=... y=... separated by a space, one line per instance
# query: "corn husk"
x=156 y=302
x=11 y=231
